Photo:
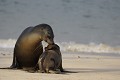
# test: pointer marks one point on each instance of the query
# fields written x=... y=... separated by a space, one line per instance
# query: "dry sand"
x=82 y=67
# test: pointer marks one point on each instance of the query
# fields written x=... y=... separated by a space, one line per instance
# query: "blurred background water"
x=76 y=23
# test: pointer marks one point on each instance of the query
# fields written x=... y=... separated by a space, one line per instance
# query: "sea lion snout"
x=50 y=41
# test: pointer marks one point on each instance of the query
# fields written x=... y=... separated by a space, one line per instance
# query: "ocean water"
x=78 y=25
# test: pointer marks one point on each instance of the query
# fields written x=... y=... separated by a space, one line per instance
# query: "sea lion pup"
x=50 y=60
x=28 y=47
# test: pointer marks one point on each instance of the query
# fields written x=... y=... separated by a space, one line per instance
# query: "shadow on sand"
x=89 y=70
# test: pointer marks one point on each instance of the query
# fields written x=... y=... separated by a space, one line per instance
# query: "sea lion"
x=50 y=61
x=28 y=47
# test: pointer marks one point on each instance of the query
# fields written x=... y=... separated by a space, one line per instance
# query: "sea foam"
x=71 y=46
x=92 y=47
x=7 y=43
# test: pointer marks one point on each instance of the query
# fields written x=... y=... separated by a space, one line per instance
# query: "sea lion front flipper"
x=60 y=67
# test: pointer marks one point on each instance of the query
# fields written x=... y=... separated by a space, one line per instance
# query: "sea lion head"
x=52 y=47
x=46 y=33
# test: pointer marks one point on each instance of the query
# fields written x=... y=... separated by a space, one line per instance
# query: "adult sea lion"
x=50 y=61
x=28 y=47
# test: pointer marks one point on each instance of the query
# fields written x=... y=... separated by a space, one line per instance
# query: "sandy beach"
x=87 y=31
x=81 y=66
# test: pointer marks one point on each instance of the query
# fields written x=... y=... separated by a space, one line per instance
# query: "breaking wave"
x=92 y=47
x=71 y=46
x=7 y=43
